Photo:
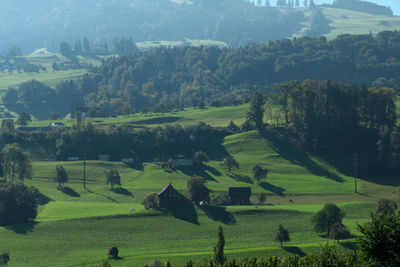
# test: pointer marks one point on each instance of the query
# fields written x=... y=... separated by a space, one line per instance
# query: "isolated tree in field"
x=16 y=163
x=282 y=235
x=380 y=240
x=151 y=201
x=259 y=172
x=386 y=206
x=325 y=218
x=113 y=252
x=113 y=178
x=197 y=190
x=230 y=162
x=200 y=157
x=17 y=202
x=7 y=124
x=61 y=175
x=218 y=256
x=338 y=231
x=256 y=113
x=23 y=119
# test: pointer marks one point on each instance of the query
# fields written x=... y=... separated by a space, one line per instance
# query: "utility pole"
x=84 y=168
x=355 y=171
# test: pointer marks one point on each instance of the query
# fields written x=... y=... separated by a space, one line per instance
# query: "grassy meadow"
x=76 y=225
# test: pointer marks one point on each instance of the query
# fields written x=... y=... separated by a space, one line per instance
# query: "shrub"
x=221 y=200
x=4 y=258
x=151 y=201
x=386 y=206
x=113 y=252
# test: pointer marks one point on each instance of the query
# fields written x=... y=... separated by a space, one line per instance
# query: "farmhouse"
x=181 y=161
x=170 y=197
x=239 y=195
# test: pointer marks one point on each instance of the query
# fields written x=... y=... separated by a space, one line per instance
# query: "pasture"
x=75 y=226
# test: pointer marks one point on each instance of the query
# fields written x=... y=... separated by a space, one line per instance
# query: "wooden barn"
x=239 y=195
x=170 y=197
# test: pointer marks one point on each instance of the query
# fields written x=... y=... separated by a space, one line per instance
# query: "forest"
x=169 y=78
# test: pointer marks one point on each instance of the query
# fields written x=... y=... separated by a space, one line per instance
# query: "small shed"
x=170 y=197
x=239 y=195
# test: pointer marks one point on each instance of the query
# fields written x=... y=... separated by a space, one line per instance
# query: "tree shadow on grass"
x=40 y=198
x=185 y=213
x=295 y=250
x=274 y=189
x=107 y=197
x=241 y=178
x=68 y=191
x=201 y=171
x=122 y=191
x=219 y=214
x=22 y=229
x=295 y=156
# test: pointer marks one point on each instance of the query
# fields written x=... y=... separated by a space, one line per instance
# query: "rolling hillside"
x=77 y=225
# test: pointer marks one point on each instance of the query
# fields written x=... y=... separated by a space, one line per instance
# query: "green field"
x=352 y=22
x=76 y=225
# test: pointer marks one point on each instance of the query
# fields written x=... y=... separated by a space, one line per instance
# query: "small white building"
x=73 y=158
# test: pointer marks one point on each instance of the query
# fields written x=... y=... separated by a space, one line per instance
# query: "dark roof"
x=239 y=191
x=166 y=188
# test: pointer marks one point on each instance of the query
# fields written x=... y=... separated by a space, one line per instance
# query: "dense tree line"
x=328 y=116
x=168 y=78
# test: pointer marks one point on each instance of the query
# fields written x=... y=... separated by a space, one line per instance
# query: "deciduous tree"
x=61 y=175
x=282 y=235
x=16 y=163
x=230 y=162
x=23 y=119
x=113 y=178
x=325 y=218
x=197 y=190
x=338 y=231
x=259 y=172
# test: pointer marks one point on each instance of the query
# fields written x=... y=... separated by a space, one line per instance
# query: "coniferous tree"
x=267 y=3
x=297 y=3
x=218 y=257
x=256 y=113
x=305 y=3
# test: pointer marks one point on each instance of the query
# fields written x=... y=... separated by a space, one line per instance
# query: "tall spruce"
x=256 y=113
x=218 y=257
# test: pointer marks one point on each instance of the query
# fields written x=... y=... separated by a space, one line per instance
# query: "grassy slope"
x=347 y=21
x=78 y=226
